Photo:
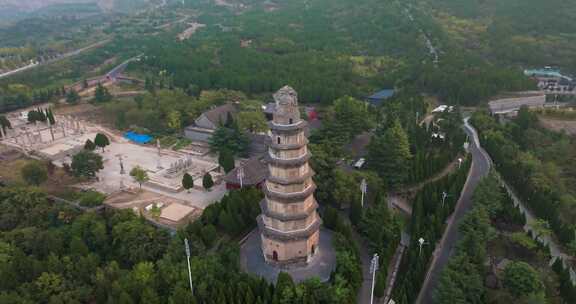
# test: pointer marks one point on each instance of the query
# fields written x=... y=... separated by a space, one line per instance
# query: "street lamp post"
x=363 y=188
x=421 y=243
x=373 y=269
x=187 y=247
x=444 y=196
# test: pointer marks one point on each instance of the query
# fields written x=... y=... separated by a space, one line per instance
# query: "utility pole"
x=373 y=269
x=363 y=188
x=187 y=247
x=241 y=176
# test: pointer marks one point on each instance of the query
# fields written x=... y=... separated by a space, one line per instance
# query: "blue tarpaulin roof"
x=380 y=96
x=138 y=138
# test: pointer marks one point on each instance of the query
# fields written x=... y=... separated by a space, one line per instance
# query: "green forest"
x=538 y=163
x=51 y=253
x=334 y=53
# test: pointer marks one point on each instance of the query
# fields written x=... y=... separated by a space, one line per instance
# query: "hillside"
x=525 y=33
x=18 y=9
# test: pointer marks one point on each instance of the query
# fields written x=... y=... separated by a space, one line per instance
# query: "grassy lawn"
x=58 y=184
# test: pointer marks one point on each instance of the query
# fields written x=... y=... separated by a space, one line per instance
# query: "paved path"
x=480 y=167
x=366 y=288
x=399 y=200
x=321 y=266
x=393 y=272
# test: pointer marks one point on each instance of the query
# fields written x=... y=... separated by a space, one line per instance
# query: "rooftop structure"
x=380 y=96
x=254 y=172
x=546 y=72
x=205 y=125
x=176 y=212
x=512 y=103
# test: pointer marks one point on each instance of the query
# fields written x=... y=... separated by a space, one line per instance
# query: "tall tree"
x=521 y=279
x=174 y=120
x=252 y=121
x=72 y=96
x=139 y=175
x=101 y=94
x=226 y=160
x=86 y=164
x=389 y=154
x=50 y=116
x=101 y=141
x=207 y=181
x=89 y=145
x=187 y=182
x=34 y=173
x=232 y=139
x=5 y=123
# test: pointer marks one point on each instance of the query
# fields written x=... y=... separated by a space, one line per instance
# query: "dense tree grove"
x=462 y=281
x=427 y=222
x=16 y=96
x=53 y=254
x=538 y=164
x=101 y=94
x=515 y=32
x=382 y=229
x=86 y=164
x=390 y=155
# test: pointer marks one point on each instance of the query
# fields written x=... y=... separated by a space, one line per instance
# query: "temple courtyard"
x=58 y=143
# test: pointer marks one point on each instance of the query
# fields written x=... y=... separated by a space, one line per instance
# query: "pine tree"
x=390 y=155
x=356 y=212
x=380 y=286
x=207 y=181
x=101 y=141
x=50 y=116
x=72 y=97
x=5 y=123
x=102 y=94
x=89 y=145
x=226 y=160
x=140 y=175
x=187 y=182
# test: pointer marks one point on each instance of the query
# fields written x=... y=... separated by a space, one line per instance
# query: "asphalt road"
x=480 y=167
x=365 y=291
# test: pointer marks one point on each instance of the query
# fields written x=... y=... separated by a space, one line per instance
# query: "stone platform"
x=321 y=266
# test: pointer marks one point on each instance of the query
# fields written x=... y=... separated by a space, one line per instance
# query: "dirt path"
x=401 y=199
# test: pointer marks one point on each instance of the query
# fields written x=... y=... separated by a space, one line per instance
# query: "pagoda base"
x=320 y=265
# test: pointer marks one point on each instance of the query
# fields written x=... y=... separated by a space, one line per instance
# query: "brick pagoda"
x=289 y=224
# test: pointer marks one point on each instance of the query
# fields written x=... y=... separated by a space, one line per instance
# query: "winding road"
x=481 y=164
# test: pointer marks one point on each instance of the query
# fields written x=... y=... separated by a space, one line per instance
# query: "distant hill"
x=16 y=9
